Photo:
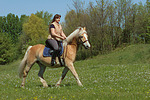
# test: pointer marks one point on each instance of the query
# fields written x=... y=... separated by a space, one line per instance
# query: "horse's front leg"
x=40 y=74
x=73 y=71
x=62 y=76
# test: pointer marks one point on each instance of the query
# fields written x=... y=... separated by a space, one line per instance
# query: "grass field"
x=124 y=74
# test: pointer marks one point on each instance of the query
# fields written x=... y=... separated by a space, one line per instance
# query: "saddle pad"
x=47 y=50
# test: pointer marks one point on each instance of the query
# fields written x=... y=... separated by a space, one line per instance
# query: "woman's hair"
x=55 y=17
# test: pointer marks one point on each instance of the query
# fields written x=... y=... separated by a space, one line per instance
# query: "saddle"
x=48 y=51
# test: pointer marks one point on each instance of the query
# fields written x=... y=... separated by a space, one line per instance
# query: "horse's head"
x=83 y=38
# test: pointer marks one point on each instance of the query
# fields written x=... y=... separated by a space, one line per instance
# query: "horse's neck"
x=72 y=36
x=74 y=42
x=70 y=50
x=71 y=45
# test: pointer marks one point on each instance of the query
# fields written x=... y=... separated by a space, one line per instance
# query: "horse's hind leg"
x=26 y=71
x=40 y=74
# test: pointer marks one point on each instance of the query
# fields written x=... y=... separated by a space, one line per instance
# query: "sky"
x=27 y=7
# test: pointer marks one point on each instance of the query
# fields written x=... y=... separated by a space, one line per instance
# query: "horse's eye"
x=80 y=36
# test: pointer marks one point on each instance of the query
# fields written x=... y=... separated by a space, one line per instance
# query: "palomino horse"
x=34 y=54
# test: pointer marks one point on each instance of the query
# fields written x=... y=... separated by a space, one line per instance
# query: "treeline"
x=109 y=25
x=18 y=33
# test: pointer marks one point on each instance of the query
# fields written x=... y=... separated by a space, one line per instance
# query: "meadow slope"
x=124 y=74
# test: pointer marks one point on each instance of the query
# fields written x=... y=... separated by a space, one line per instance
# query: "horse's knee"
x=25 y=73
x=69 y=64
x=41 y=71
x=40 y=75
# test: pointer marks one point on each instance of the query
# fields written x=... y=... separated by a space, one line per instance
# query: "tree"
x=23 y=19
x=7 y=51
x=35 y=29
x=45 y=16
x=70 y=22
x=12 y=26
x=141 y=22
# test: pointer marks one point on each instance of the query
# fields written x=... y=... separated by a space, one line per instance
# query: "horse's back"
x=37 y=47
x=36 y=50
x=40 y=46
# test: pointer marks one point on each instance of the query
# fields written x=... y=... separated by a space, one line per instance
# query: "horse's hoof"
x=22 y=86
x=45 y=85
x=57 y=85
x=80 y=85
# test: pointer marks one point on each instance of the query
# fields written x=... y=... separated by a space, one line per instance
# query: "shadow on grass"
x=61 y=85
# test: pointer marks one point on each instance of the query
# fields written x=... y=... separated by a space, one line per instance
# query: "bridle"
x=80 y=37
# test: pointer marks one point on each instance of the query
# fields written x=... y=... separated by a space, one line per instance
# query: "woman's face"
x=57 y=20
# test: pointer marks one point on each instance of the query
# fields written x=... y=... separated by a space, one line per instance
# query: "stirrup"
x=53 y=62
x=61 y=61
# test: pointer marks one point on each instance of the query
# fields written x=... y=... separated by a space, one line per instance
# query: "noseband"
x=82 y=42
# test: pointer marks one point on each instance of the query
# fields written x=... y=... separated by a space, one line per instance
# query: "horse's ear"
x=84 y=28
x=80 y=28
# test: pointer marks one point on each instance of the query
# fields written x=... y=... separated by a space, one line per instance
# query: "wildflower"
x=35 y=98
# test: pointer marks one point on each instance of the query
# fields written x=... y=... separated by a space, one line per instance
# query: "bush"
x=8 y=50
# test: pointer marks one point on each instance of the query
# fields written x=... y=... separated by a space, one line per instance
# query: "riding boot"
x=53 y=62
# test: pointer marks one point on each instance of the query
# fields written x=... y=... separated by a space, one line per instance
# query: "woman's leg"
x=54 y=45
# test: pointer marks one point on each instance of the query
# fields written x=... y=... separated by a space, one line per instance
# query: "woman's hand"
x=63 y=38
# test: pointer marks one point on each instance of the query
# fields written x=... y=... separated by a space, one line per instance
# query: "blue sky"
x=20 y=7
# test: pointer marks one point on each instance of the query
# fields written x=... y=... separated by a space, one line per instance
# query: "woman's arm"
x=63 y=35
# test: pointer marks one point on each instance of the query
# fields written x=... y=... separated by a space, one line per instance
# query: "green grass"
x=123 y=74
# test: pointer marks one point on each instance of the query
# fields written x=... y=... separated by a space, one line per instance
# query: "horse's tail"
x=23 y=63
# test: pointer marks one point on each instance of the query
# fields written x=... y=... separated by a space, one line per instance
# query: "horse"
x=34 y=54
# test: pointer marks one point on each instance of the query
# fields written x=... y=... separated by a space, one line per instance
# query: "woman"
x=56 y=36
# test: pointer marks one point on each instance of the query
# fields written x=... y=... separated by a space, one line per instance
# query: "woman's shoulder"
x=52 y=26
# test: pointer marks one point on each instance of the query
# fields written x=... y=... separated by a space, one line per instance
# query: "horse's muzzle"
x=87 y=47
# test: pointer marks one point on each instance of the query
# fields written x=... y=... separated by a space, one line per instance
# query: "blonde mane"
x=72 y=35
